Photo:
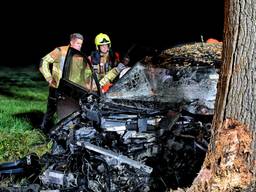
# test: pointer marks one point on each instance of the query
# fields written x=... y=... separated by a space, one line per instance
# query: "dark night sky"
x=31 y=31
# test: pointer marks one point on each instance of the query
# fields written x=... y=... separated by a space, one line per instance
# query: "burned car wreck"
x=128 y=139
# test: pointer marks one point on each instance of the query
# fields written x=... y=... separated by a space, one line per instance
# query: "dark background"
x=31 y=30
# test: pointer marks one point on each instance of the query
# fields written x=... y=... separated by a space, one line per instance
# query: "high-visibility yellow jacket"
x=55 y=58
x=110 y=76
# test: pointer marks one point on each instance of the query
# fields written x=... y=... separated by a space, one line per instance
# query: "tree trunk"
x=230 y=161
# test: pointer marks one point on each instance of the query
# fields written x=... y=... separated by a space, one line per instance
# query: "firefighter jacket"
x=52 y=64
x=103 y=63
x=112 y=74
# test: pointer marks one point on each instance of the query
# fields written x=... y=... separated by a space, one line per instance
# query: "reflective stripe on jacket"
x=52 y=64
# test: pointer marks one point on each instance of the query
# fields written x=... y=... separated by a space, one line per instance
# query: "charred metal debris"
x=149 y=132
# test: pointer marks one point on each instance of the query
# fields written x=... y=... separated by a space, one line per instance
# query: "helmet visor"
x=104 y=41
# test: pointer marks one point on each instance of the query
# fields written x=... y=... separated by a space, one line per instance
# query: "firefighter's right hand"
x=52 y=83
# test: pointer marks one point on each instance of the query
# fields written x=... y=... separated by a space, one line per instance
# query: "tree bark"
x=230 y=161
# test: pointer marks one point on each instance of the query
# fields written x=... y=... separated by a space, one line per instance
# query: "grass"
x=23 y=95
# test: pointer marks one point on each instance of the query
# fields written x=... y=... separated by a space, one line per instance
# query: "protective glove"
x=120 y=67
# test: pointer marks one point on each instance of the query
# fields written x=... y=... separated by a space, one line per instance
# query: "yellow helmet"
x=102 y=39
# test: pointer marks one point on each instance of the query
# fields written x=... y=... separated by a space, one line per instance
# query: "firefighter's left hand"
x=120 y=67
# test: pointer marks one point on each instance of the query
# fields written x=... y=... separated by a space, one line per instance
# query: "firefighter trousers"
x=48 y=118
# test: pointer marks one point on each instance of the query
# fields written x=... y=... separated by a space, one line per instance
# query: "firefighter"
x=106 y=63
x=51 y=67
